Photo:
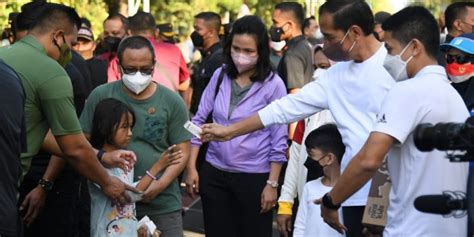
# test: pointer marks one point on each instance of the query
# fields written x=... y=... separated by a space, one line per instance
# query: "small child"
x=112 y=130
x=325 y=148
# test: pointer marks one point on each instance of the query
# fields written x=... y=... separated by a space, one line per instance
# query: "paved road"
x=193 y=221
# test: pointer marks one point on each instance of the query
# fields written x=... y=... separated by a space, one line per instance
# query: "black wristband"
x=327 y=202
x=100 y=154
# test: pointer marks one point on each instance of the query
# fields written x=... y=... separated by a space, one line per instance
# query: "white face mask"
x=318 y=34
x=318 y=72
x=278 y=46
x=136 y=82
x=396 y=67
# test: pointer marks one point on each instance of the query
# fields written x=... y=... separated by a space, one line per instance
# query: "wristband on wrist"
x=150 y=175
x=327 y=202
x=100 y=154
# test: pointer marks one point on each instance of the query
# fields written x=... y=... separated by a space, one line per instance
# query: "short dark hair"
x=253 y=26
x=456 y=11
x=53 y=15
x=307 y=22
x=107 y=115
x=328 y=139
x=28 y=16
x=414 y=22
x=118 y=16
x=349 y=12
x=134 y=42
x=295 y=9
x=212 y=19
x=142 y=22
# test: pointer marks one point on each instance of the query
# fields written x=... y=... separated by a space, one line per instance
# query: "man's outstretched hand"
x=215 y=132
x=115 y=190
x=122 y=159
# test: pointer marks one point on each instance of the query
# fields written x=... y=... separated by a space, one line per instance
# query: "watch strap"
x=46 y=184
x=273 y=184
x=327 y=202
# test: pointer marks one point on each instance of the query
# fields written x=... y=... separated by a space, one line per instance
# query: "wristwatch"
x=327 y=202
x=273 y=184
x=46 y=184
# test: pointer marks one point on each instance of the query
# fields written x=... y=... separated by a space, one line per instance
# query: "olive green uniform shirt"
x=49 y=97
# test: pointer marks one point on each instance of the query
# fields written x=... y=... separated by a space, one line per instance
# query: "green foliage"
x=181 y=13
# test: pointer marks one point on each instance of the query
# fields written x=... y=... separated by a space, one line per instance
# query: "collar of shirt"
x=448 y=38
x=213 y=48
x=33 y=42
x=293 y=42
x=432 y=69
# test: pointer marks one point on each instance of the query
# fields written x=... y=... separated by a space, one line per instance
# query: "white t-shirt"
x=426 y=98
x=296 y=173
x=353 y=92
x=309 y=222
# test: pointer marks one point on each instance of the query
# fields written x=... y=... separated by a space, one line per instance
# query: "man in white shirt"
x=353 y=90
x=427 y=97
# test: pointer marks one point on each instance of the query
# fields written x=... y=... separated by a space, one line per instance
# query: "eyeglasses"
x=133 y=71
x=459 y=58
x=320 y=158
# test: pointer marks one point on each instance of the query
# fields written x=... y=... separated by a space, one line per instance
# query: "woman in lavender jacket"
x=238 y=181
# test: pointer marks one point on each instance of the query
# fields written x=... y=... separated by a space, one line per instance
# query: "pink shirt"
x=170 y=70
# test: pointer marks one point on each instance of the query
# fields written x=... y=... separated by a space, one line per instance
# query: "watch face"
x=46 y=185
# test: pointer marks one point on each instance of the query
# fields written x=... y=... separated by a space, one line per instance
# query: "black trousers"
x=231 y=203
x=61 y=213
x=352 y=217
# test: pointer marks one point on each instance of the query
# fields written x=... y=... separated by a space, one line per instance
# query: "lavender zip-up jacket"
x=249 y=153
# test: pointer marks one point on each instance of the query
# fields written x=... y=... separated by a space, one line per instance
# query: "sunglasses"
x=459 y=58
x=133 y=71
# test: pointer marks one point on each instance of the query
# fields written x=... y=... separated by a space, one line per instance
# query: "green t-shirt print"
x=159 y=124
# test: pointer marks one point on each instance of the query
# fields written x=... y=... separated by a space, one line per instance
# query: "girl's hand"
x=170 y=157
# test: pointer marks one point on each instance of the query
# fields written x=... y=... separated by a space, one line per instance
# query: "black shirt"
x=98 y=70
x=83 y=69
x=212 y=60
x=12 y=142
x=466 y=90
x=296 y=65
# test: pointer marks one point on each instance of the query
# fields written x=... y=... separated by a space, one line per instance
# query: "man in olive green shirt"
x=159 y=118
x=49 y=98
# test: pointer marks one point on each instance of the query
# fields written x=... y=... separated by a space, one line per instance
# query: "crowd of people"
x=294 y=119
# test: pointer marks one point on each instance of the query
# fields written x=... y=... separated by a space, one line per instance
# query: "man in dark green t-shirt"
x=160 y=115
x=49 y=100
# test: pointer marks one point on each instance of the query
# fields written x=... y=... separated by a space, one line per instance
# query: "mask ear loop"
x=403 y=51
x=344 y=38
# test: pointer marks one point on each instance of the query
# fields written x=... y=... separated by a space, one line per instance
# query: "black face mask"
x=112 y=43
x=198 y=40
x=312 y=166
x=276 y=33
